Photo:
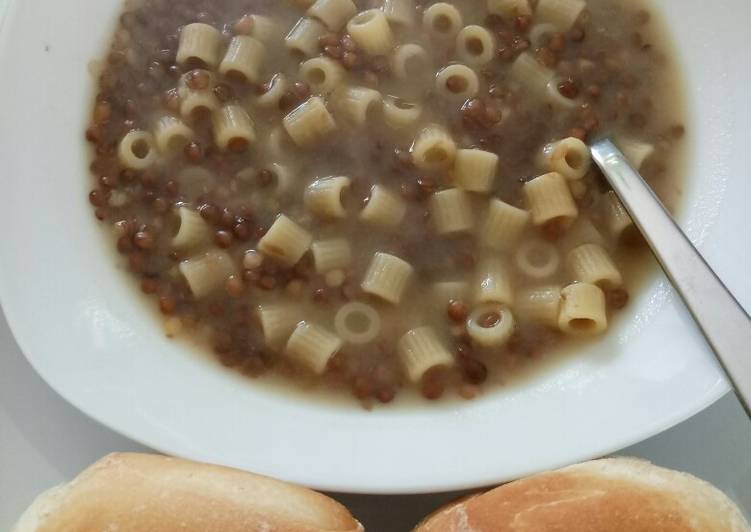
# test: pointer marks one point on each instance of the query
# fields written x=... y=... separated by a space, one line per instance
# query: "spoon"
x=722 y=320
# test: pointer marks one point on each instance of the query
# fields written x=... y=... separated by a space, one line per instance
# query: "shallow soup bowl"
x=84 y=329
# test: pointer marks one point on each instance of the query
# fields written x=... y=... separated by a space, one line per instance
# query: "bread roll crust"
x=609 y=495
x=149 y=493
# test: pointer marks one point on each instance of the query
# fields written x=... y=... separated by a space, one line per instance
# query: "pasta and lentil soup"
x=376 y=195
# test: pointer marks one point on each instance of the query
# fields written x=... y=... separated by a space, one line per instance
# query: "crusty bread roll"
x=149 y=493
x=610 y=495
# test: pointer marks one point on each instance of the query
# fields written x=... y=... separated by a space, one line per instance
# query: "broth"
x=372 y=213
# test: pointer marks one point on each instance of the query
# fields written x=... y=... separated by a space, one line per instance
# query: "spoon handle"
x=722 y=320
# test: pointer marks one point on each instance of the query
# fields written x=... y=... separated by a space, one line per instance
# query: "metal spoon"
x=722 y=320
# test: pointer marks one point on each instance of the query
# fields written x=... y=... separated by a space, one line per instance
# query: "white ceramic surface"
x=81 y=327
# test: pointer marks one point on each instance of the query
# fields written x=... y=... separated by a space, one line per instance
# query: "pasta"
x=357 y=323
x=193 y=231
x=285 y=241
x=277 y=321
x=490 y=325
x=549 y=200
x=442 y=20
x=312 y=346
x=561 y=13
x=195 y=101
x=303 y=37
x=333 y=254
x=539 y=34
x=457 y=81
x=451 y=211
x=635 y=151
x=333 y=13
x=569 y=157
x=371 y=31
x=309 y=123
x=324 y=197
x=323 y=75
x=475 y=170
x=399 y=113
x=590 y=263
x=409 y=61
x=617 y=221
x=504 y=225
x=400 y=12
x=357 y=104
x=270 y=98
x=171 y=134
x=263 y=28
x=509 y=8
x=136 y=150
x=540 y=304
x=433 y=148
x=387 y=277
x=555 y=98
x=531 y=75
x=199 y=45
x=537 y=259
x=493 y=284
x=475 y=46
x=582 y=232
x=582 y=310
x=207 y=273
x=233 y=128
x=244 y=59
x=383 y=208
x=444 y=292
x=279 y=144
x=420 y=350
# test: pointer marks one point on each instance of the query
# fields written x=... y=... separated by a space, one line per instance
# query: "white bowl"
x=83 y=328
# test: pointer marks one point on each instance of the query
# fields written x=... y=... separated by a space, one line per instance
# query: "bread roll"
x=610 y=495
x=149 y=493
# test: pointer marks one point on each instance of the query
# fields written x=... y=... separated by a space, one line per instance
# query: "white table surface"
x=44 y=441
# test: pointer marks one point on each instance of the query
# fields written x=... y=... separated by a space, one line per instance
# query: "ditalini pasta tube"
x=233 y=128
x=325 y=197
x=457 y=81
x=193 y=231
x=636 y=151
x=273 y=92
x=582 y=232
x=137 y=150
x=442 y=21
x=475 y=170
x=504 y=225
x=196 y=92
x=561 y=13
x=490 y=325
x=263 y=28
x=323 y=74
x=444 y=292
x=400 y=12
x=420 y=350
x=509 y=8
x=171 y=134
x=312 y=346
x=409 y=61
x=618 y=223
x=244 y=59
x=569 y=157
x=387 y=277
x=357 y=323
x=333 y=254
x=537 y=259
x=529 y=73
x=207 y=273
x=357 y=104
x=199 y=45
x=371 y=31
x=399 y=113
x=303 y=37
x=549 y=200
x=583 y=311
x=493 y=282
x=540 y=304
x=383 y=208
x=591 y=264
x=433 y=148
x=451 y=211
x=475 y=46
x=277 y=321
x=309 y=123
x=285 y=241
x=333 y=13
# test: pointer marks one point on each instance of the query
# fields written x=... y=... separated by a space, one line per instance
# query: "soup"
x=380 y=195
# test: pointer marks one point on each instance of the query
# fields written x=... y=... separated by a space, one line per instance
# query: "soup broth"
x=378 y=195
